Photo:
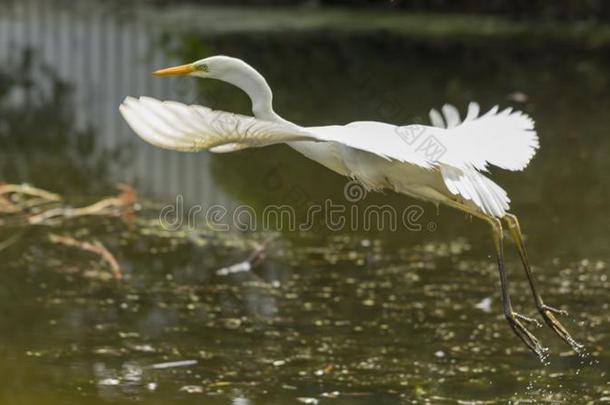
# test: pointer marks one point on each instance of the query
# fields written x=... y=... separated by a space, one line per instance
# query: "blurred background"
x=345 y=317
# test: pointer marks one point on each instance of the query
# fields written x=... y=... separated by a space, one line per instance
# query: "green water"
x=343 y=317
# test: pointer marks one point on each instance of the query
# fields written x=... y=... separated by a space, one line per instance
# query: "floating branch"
x=36 y=197
x=22 y=206
x=28 y=190
x=93 y=247
x=113 y=206
x=6 y=207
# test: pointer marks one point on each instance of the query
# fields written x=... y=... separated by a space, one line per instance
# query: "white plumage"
x=503 y=138
x=441 y=163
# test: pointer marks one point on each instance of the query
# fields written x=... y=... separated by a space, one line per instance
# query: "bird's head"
x=234 y=71
x=214 y=67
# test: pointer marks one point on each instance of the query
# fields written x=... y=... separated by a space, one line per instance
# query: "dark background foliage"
x=596 y=10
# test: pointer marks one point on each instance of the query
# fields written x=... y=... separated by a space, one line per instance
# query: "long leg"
x=546 y=311
x=514 y=319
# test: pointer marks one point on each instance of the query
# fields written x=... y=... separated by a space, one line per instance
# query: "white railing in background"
x=106 y=56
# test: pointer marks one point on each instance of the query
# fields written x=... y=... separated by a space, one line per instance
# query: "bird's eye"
x=204 y=68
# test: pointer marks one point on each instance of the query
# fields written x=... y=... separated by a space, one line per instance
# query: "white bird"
x=442 y=163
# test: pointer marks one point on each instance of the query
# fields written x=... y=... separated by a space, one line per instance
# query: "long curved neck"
x=256 y=87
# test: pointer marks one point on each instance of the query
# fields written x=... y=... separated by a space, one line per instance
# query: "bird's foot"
x=544 y=307
x=527 y=319
x=525 y=335
x=547 y=313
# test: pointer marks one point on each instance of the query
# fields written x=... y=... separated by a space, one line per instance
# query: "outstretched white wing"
x=506 y=138
x=503 y=138
x=176 y=126
x=456 y=148
x=191 y=128
x=468 y=182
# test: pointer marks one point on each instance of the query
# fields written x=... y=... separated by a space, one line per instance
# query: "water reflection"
x=38 y=125
x=101 y=57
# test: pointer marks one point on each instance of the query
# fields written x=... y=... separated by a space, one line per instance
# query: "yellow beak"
x=176 y=70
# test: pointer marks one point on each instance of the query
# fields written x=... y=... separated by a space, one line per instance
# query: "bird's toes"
x=525 y=335
x=560 y=330
x=528 y=319
x=554 y=310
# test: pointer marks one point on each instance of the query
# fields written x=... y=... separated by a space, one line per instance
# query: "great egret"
x=379 y=155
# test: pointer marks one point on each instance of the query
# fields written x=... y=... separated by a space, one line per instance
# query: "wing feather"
x=173 y=125
x=503 y=138
x=436 y=118
x=477 y=188
x=473 y=111
x=506 y=139
x=452 y=115
x=142 y=127
x=192 y=128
